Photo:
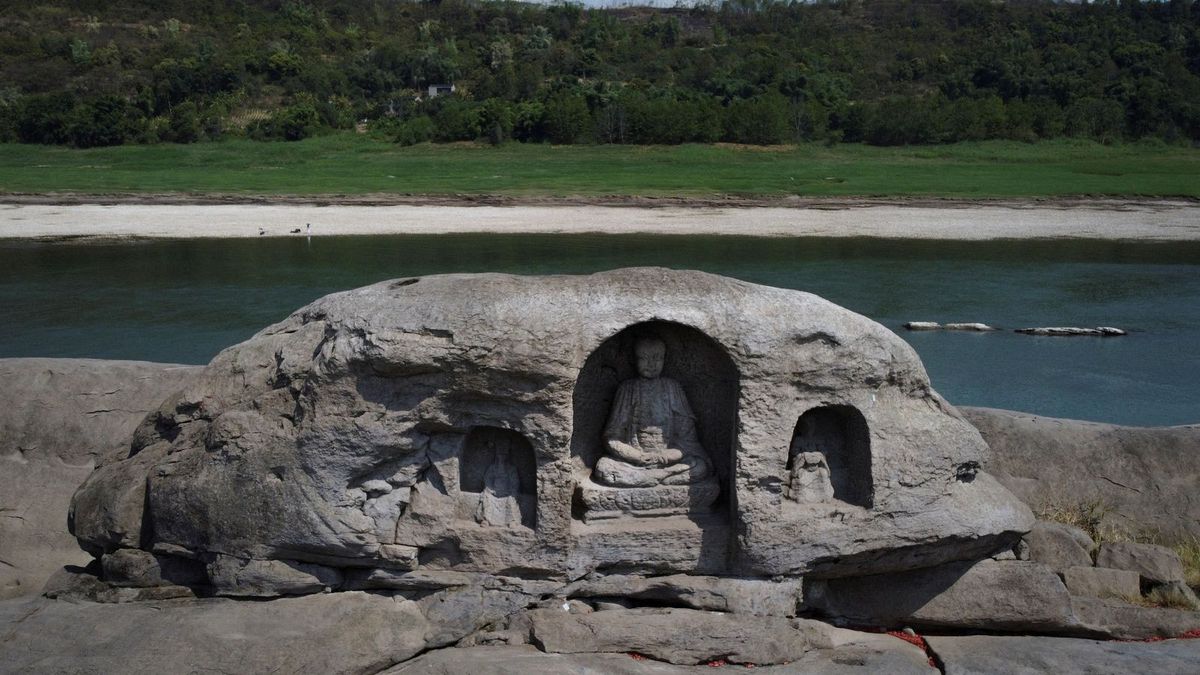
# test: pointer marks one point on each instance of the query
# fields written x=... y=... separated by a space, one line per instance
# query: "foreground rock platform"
x=394 y=634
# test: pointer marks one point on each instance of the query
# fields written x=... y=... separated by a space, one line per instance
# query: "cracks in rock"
x=935 y=661
x=820 y=337
x=1120 y=485
x=502 y=621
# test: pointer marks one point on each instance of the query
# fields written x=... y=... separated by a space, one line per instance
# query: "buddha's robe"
x=652 y=416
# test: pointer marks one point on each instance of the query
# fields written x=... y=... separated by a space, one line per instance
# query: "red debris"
x=636 y=656
x=917 y=641
x=1193 y=634
x=717 y=663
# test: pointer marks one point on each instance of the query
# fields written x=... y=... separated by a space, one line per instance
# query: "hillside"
x=92 y=73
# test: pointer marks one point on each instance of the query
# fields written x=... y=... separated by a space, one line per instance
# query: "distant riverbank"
x=71 y=216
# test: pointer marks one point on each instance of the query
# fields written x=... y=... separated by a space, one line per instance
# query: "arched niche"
x=698 y=363
x=830 y=457
x=497 y=474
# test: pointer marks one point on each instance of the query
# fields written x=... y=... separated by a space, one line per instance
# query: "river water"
x=184 y=300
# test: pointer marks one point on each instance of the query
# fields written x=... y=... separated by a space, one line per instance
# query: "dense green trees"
x=90 y=73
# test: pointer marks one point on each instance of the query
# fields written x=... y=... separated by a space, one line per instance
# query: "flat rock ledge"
x=510 y=626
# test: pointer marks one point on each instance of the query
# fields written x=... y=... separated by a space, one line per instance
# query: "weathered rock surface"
x=885 y=655
x=267 y=578
x=1154 y=564
x=1102 y=617
x=357 y=434
x=689 y=637
x=989 y=595
x=137 y=568
x=1059 y=546
x=988 y=655
x=758 y=597
x=970 y=326
x=1146 y=478
x=1068 y=331
x=332 y=633
x=961 y=326
x=1100 y=582
x=57 y=417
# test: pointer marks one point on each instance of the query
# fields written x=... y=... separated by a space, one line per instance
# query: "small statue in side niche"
x=500 y=505
x=809 y=479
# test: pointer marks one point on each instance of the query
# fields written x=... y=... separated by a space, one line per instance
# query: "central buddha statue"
x=650 y=438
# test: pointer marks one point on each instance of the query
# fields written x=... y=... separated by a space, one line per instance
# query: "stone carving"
x=809 y=478
x=830 y=458
x=651 y=431
x=499 y=505
x=401 y=384
x=497 y=479
x=653 y=462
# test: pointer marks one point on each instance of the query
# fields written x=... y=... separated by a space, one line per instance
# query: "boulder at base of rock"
x=134 y=567
x=989 y=655
x=1155 y=564
x=1059 y=546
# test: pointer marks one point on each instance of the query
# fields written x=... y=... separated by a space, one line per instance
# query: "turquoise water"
x=183 y=301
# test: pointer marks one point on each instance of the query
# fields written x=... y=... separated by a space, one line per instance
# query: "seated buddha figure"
x=650 y=438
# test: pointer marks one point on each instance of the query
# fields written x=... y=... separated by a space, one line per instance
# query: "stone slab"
x=1100 y=582
x=989 y=595
x=334 y=633
x=1032 y=655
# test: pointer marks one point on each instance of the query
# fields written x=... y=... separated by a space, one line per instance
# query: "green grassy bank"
x=355 y=164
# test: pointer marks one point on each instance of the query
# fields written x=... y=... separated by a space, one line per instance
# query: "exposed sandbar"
x=181 y=217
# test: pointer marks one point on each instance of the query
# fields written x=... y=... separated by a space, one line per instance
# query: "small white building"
x=436 y=90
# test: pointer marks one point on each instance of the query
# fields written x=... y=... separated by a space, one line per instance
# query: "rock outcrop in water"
x=354 y=441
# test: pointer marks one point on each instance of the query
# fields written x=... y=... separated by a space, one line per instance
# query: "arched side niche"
x=830 y=458
x=498 y=478
x=699 y=364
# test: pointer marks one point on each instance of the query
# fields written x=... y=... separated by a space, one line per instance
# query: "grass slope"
x=353 y=164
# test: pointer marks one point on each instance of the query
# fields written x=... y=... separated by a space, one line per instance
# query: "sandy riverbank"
x=183 y=217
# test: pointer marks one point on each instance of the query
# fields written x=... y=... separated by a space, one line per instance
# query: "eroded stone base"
x=602 y=502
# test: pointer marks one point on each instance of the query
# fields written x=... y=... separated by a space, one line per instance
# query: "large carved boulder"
x=455 y=423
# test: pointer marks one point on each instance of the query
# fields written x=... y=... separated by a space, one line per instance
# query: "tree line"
x=94 y=73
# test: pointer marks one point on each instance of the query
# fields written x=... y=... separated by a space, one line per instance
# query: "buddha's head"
x=650 y=353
